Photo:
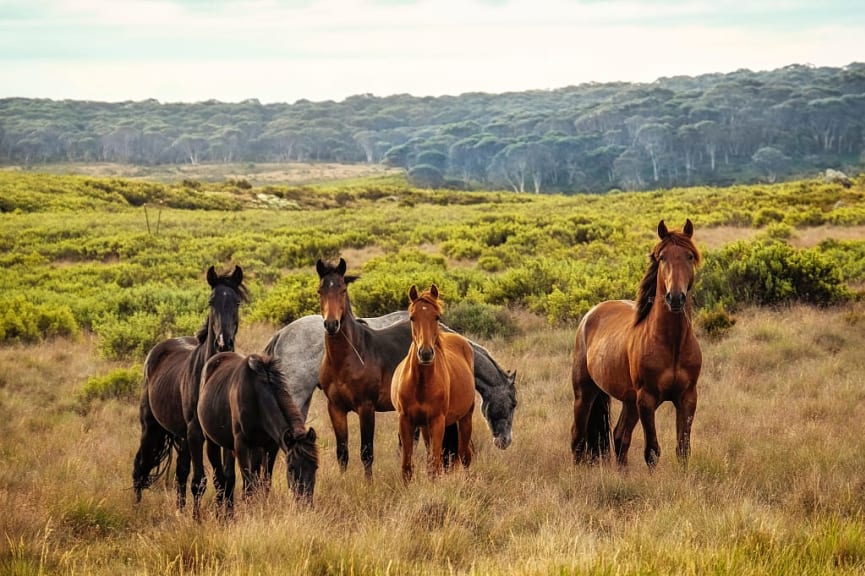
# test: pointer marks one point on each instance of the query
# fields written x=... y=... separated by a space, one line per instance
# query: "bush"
x=715 y=321
x=292 y=297
x=122 y=384
x=23 y=321
x=769 y=272
x=479 y=320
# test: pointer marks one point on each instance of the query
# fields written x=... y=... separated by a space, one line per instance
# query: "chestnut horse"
x=172 y=372
x=433 y=386
x=358 y=363
x=642 y=353
x=246 y=411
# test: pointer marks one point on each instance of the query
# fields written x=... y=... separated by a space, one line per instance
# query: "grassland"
x=776 y=483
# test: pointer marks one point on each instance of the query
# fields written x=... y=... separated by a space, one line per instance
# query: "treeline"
x=714 y=129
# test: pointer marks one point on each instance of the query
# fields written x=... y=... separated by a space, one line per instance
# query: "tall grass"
x=776 y=483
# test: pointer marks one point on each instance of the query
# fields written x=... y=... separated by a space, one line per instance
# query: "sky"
x=286 y=50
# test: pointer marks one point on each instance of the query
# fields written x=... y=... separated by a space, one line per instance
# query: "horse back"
x=601 y=350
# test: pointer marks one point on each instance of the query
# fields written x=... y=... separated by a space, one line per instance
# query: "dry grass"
x=776 y=483
x=257 y=174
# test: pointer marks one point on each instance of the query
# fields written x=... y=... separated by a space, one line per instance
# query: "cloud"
x=330 y=49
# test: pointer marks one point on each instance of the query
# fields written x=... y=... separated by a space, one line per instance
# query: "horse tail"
x=154 y=453
x=598 y=435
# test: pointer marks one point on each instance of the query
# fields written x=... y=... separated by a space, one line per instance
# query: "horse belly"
x=167 y=405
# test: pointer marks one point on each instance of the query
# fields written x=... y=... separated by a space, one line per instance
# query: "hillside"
x=713 y=129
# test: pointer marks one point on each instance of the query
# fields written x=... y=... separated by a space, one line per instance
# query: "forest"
x=713 y=129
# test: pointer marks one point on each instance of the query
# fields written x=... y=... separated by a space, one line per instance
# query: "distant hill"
x=711 y=129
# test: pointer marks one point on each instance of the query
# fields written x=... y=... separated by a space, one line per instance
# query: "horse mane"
x=270 y=369
x=649 y=283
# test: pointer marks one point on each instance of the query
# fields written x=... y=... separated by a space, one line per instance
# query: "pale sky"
x=285 y=50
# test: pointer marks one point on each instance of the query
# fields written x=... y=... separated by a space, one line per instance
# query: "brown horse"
x=172 y=371
x=642 y=353
x=246 y=411
x=358 y=363
x=433 y=386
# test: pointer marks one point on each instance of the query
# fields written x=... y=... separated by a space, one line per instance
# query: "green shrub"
x=715 y=321
x=290 y=298
x=23 y=321
x=769 y=272
x=122 y=384
x=479 y=320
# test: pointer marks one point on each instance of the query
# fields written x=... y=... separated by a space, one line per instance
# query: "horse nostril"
x=332 y=326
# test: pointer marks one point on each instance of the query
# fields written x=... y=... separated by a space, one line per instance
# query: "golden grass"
x=776 y=483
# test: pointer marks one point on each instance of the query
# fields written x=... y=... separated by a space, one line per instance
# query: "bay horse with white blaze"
x=172 y=373
x=433 y=386
x=642 y=353
x=246 y=411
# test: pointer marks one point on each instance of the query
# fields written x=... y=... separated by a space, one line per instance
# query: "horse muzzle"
x=675 y=301
x=331 y=326
x=502 y=441
x=224 y=344
x=426 y=355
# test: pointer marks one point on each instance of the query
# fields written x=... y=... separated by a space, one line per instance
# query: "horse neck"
x=670 y=326
x=348 y=343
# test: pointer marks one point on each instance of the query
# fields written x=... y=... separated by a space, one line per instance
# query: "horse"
x=172 y=372
x=357 y=365
x=642 y=353
x=433 y=386
x=300 y=345
x=245 y=411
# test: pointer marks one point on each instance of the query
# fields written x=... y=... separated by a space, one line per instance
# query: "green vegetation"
x=125 y=259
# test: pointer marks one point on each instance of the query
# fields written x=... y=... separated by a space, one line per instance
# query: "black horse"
x=172 y=374
x=246 y=412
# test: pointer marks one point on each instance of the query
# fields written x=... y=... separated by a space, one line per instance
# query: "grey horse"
x=300 y=347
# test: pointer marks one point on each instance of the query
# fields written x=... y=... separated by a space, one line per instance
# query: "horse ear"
x=237 y=276
x=434 y=290
x=689 y=228
x=320 y=268
x=412 y=293
x=311 y=435
x=662 y=230
x=212 y=277
x=340 y=269
x=289 y=439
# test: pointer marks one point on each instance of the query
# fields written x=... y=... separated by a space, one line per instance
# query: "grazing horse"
x=172 y=372
x=358 y=362
x=642 y=353
x=433 y=386
x=300 y=345
x=246 y=411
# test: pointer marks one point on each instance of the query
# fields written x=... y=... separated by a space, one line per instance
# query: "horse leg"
x=366 y=414
x=624 y=428
x=228 y=470
x=406 y=437
x=465 y=439
x=214 y=456
x=181 y=473
x=246 y=458
x=195 y=441
x=584 y=397
x=450 y=446
x=270 y=461
x=647 y=404
x=436 y=426
x=686 y=406
x=339 y=421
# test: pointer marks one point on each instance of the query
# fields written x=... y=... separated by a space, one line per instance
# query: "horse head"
x=333 y=294
x=500 y=415
x=302 y=464
x=424 y=312
x=227 y=292
x=677 y=258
